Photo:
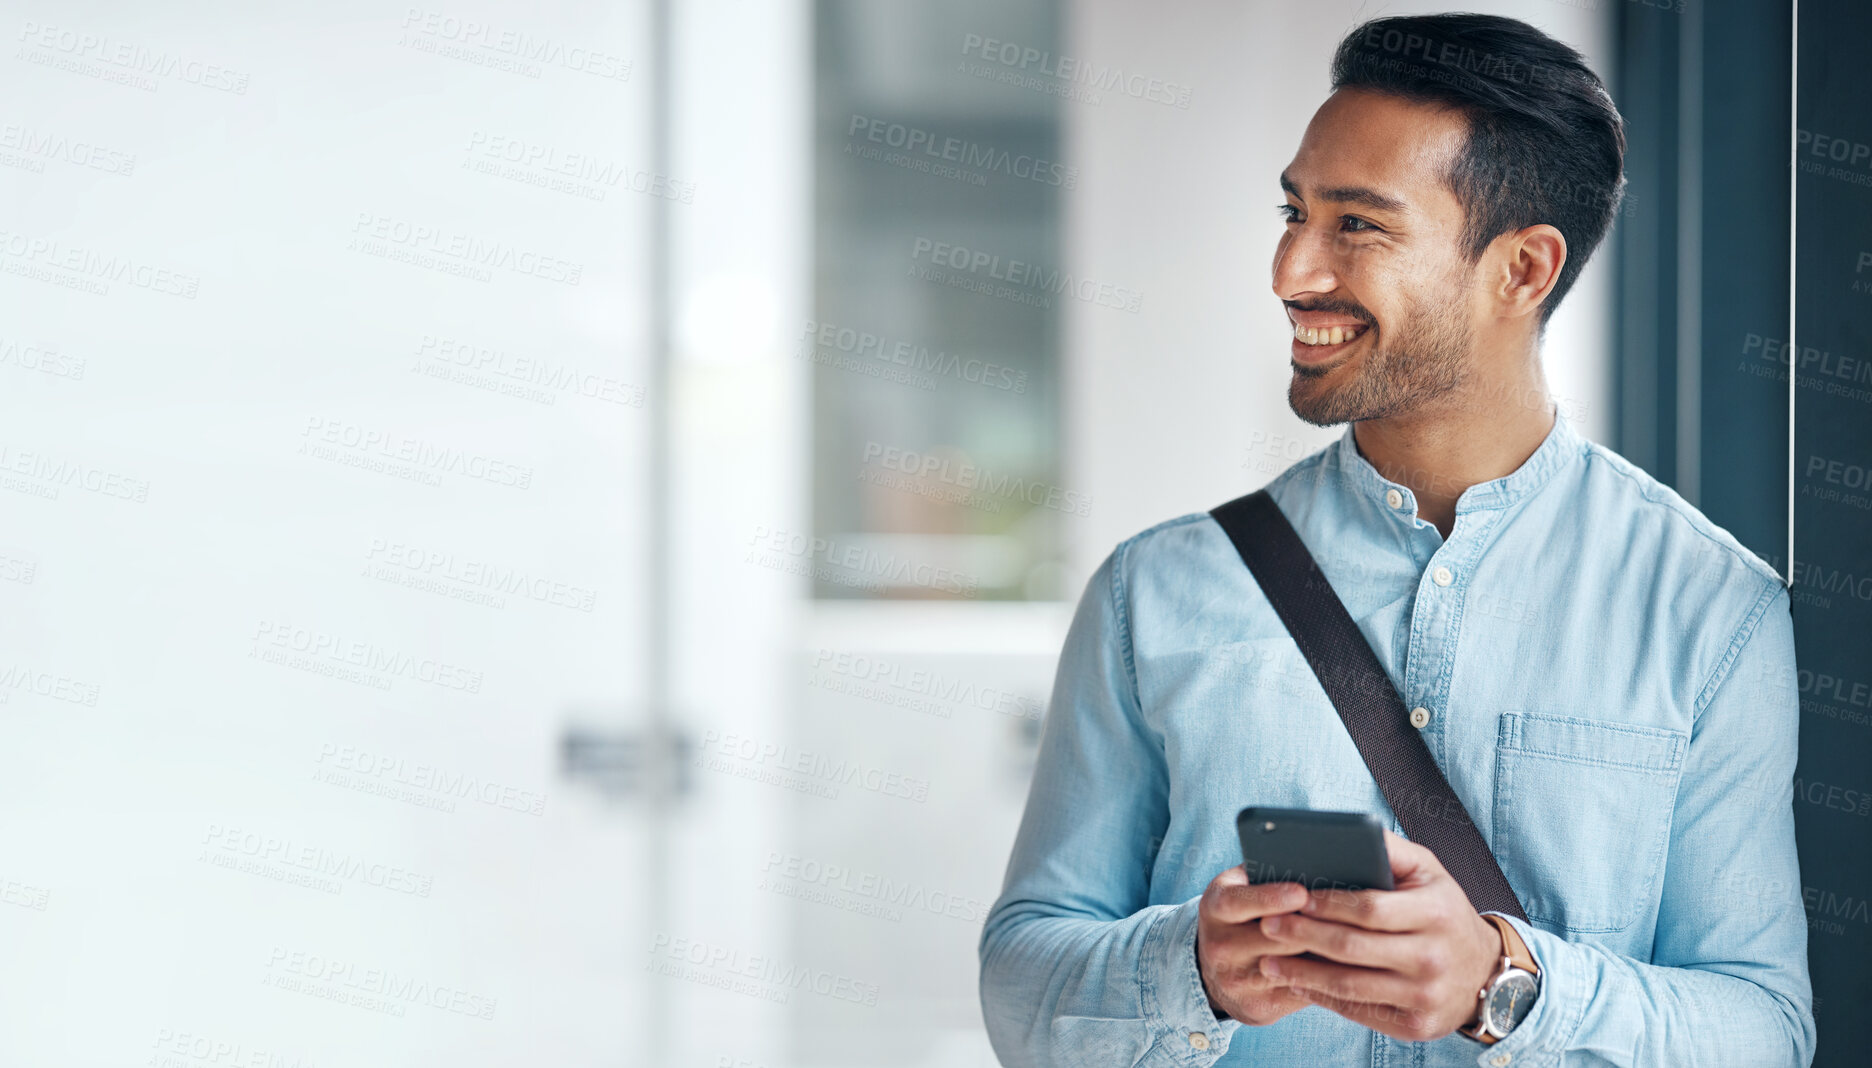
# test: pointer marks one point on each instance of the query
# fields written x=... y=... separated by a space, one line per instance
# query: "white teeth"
x=1327 y=335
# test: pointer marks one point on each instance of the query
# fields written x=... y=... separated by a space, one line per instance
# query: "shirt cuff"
x=1175 y=1007
x=1543 y=1037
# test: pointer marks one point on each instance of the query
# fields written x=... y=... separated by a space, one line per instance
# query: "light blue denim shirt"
x=1611 y=692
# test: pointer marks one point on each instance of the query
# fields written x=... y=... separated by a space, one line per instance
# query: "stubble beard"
x=1396 y=376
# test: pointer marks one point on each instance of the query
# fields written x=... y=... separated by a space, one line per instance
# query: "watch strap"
x=1515 y=954
x=1513 y=947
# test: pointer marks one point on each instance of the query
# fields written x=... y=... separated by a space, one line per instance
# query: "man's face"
x=1373 y=250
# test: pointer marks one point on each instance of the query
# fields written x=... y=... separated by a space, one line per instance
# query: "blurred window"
x=938 y=288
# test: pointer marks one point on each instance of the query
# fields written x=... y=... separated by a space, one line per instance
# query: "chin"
x=1316 y=406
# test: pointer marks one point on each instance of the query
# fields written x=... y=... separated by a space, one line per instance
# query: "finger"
x=1345 y=943
x=1410 y=862
x=1231 y=953
x=1265 y=1006
x=1410 y=1025
x=1345 y=982
x=1234 y=900
x=1376 y=910
x=1240 y=969
x=1244 y=940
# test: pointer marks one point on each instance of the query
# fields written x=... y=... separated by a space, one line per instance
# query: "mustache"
x=1337 y=307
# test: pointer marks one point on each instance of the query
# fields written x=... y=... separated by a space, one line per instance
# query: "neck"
x=1480 y=434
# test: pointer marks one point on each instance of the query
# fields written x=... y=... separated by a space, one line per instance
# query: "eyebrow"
x=1352 y=194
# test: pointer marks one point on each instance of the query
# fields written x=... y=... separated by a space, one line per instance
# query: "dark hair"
x=1545 y=145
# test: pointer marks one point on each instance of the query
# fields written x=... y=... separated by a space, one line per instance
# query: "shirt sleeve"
x=1076 y=967
x=1727 y=982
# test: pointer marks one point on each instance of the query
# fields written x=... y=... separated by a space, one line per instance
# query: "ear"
x=1531 y=261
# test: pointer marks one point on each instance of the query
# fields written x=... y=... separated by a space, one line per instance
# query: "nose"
x=1303 y=262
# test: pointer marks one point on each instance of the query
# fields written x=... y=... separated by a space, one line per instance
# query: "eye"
x=1288 y=212
x=1355 y=224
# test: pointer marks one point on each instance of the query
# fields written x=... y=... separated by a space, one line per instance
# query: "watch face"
x=1509 y=1002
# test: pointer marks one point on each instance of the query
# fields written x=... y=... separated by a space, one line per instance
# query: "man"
x=1605 y=677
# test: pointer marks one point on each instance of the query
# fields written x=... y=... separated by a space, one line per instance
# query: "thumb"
x=1410 y=862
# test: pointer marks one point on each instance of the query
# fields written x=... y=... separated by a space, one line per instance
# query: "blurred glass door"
x=324 y=430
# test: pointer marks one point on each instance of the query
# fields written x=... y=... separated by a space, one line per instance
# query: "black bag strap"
x=1430 y=812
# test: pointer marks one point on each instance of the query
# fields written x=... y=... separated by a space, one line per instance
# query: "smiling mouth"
x=1326 y=335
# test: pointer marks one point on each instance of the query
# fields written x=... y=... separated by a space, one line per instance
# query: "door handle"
x=648 y=763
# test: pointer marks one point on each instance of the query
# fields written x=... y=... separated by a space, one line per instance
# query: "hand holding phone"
x=1230 y=945
x=1285 y=853
x=1406 y=962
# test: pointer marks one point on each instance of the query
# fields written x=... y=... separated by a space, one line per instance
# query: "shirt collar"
x=1561 y=445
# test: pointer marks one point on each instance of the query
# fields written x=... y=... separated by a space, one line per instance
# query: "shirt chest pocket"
x=1583 y=815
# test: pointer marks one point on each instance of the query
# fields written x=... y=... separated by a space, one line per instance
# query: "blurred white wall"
x=740 y=98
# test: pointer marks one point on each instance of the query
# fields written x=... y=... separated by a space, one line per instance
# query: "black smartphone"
x=1319 y=850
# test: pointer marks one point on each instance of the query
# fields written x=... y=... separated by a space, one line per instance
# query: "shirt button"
x=1198 y=1040
x=1442 y=577
x=1393 y=499
x=1420 y=718
x=1500 y=1060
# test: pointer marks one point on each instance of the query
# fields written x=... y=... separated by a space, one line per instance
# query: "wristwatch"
x=1509 y=995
